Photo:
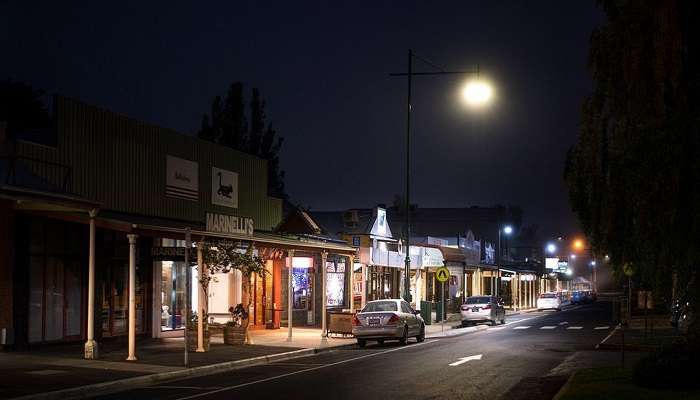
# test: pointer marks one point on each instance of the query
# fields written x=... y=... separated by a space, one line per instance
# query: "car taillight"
x=486 y=307
x=393 y=320
x=356 y=321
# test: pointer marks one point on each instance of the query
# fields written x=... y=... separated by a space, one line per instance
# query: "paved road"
x=511 y=357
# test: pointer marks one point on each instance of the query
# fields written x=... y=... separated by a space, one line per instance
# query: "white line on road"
x=548 y=327
x=575 y=327
x=465 y=359
x=563 y=323
x=522 y=327
x=223 y=389
x=597 y=328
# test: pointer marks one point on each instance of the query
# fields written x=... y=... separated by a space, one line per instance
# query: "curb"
x=104 y=388
x=564 y=387
x=461 y=331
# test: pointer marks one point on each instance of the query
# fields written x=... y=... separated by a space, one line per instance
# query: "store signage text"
x=158 y=251
x=230 y=224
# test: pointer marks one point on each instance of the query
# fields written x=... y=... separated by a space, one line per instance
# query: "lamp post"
x=507 y=230
x=476 y=93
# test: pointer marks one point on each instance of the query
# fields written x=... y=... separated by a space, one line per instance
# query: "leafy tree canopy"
x=227 y=124
x=634 y=174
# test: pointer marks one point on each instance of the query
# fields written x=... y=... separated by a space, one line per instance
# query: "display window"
x=335 y=284
x=302 y=283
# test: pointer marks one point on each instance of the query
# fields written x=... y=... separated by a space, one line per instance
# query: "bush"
x=672 y=367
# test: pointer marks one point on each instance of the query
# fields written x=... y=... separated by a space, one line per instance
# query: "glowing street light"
x=477 y=93
x=578 y=244
x=593 y=263
x=551 y=248
x=573 y=256
x=508 y=229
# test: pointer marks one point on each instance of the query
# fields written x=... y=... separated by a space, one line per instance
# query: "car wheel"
x=503 y=321
x=492 y=322
x=361 y=342
x=380 y=341
x=465 y=324
x=421 y=336
x=539 y=310
x=404 y=337
x=558 y=309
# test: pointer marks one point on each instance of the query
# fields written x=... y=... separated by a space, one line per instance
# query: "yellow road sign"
x=442 y=274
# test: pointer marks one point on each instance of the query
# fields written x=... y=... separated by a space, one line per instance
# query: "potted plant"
x=192 y=333
x=235 y=330
x=224 y=257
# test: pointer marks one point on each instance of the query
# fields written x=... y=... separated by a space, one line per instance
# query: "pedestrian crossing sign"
x=442 y=274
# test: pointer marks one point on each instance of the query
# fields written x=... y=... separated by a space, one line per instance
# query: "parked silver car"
x=390 y=319
x=482 y=308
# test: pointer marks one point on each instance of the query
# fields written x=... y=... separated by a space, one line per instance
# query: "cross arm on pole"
x=434 y=73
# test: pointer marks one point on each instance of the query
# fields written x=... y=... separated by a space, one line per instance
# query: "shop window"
x=335 y=284
x=172 y=295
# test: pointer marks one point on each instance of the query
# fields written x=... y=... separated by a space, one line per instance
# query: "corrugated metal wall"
x=120 y=162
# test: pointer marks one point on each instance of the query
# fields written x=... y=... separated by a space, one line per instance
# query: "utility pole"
x=407 y=261
x=407 y=228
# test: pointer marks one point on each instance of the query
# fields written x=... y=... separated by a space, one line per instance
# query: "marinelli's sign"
x=230 y=224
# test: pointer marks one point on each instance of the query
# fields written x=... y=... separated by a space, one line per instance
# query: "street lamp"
x=551 y=248
x=476 y=93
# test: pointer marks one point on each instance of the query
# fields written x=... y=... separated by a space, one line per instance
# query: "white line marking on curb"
x=548 y=327
x=522 y=327
x=601 y=327
x=303 y=370
x=575 y=327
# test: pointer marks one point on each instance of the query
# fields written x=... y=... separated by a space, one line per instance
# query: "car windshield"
x=548 y=296
x=380 y=306
x=477 y=300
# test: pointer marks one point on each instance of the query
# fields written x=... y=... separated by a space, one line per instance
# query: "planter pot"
x=235 y=335
x=192 y=339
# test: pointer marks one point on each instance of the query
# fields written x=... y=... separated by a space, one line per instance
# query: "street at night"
x=528 y=346
x=350 y=200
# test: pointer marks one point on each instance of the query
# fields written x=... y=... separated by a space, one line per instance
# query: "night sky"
x=323 y=69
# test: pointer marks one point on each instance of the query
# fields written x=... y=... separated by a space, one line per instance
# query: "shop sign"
x=167 y=253
x=224 y=188
x=229 y=224
x=182 y=178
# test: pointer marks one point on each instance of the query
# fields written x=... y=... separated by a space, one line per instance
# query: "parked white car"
x=549 y=301
x=482 y=309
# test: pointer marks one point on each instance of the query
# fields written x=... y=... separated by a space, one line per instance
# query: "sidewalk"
x=61 y=367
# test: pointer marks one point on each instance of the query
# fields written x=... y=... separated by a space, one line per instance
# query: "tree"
x=22 y=107
x=228 y=126
x=634 y=173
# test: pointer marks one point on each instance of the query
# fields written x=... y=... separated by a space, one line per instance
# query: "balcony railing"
x=35 y=174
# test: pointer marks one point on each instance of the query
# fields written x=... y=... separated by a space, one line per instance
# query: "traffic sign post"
x=442 y=275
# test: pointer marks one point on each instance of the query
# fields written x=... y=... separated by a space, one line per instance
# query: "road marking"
x=272 y=378
x=522 y=327
x=465 y=359
x=548 y=327
x=575 y=327
x=563 y=323
x=522 y=320
x=496 y=329
x=601 y=327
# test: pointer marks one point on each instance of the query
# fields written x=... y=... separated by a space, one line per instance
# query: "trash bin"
x=426 y=311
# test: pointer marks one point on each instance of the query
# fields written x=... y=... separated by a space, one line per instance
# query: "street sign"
x=442 y=274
